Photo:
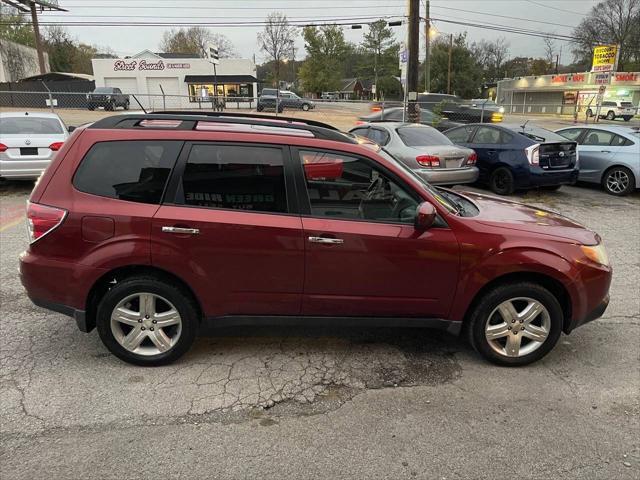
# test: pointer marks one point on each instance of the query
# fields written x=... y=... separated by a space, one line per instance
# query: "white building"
x=167 y=80
x=19 y=61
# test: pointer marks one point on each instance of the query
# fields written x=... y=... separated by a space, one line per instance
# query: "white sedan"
x=28 y=143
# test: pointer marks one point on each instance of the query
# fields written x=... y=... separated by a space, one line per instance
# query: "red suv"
x=145 y=226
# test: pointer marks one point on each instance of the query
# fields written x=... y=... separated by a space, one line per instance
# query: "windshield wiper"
x=460 y=210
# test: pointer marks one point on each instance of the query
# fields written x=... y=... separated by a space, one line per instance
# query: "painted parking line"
x=12 y=223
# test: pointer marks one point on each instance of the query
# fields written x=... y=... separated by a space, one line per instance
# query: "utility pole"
x=36 y=34
x=413 y=108
x=427 y=46
x=449 y=68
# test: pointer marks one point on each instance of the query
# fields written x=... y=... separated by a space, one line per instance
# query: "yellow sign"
x=604 y=58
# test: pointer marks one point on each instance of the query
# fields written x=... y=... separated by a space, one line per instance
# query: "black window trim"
x=305 y=204
x=167 y=183
x=175 y=195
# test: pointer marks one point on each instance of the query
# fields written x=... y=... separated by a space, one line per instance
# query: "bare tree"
x=276 y=39
x=491 y=56
x=610 y=22
x=195 y=40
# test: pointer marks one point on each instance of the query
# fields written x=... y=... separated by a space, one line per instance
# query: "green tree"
x=466 y=72
x=195 y=40
x=14 y=27
x=324 y=66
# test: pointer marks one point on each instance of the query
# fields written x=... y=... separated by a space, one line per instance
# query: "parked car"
x=145 y=226
x=328 y=96
x=396 y=114
x=486 y=104
x=108 y=97
x=450 y=106
x=28 y=142
x=519 y=157
x=285 y=99
x=612 y=109
x=424 y=150
x=609 y=156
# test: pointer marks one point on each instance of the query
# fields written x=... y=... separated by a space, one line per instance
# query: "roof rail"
x=189 y=121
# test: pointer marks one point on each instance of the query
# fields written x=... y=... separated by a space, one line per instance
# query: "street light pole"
x=413 y=108
x=427 y=46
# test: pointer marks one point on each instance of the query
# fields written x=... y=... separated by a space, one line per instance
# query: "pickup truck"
x=451 y=107
x=108 y=97
x=285 y=99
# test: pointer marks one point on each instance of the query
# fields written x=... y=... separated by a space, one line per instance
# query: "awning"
x=220 y=79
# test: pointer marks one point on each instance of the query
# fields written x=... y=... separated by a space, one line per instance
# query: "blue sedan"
x=609 y=156
x=519 y=157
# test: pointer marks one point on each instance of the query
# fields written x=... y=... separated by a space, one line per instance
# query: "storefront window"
x=204 y=92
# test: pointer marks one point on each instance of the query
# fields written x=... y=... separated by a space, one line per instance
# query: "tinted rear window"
x=422 y=136
x=103 y=90
x=31 y=125
x=136 y=171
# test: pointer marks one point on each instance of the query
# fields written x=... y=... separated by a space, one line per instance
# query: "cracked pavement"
x=325 y=402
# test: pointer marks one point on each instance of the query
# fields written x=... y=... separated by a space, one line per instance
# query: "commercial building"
x=166 y=80
x=566 y=93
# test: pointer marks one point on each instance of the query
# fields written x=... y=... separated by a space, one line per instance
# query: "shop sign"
x=626 y=77
x=604 y=58
x=601 y=79
x=122 y=65
x=574 y=78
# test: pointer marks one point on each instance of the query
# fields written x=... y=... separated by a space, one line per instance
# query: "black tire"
x=589 y=113
x=551 y=188
x=480 y=316
x=92 y=107
x=111 y=106
x=612 y=181
x=501 y=181
x=126 y=105
x=280 y=109
x=260 y=108
x=305 y=107
x=627 y=118
x=610 y=115
x=181 y=299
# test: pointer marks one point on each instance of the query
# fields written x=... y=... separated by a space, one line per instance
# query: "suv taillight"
x=42 y=219
x=55 y=146
x=473 y=158
x=428 y=160
x=533 y=154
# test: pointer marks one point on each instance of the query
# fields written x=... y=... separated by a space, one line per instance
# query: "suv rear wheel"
x=147 y=321
x=515 y=324
x=611 y=115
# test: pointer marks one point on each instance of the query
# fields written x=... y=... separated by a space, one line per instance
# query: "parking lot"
x=329 y=402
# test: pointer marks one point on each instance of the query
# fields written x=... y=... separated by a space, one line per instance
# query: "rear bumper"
x=22 y=167
x=78 y=315
x=449 y=176
x=539 y=177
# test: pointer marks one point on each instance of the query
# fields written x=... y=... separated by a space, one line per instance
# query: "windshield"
x=420 y=136
x=29 y=125
x=441 y=200
x=103 y=90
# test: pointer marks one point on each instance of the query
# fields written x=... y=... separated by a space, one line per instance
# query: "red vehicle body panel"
x=249 y=263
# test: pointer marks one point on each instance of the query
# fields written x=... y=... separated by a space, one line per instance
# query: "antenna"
x=138 y=102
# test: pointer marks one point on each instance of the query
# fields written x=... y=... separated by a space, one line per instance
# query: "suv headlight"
x=596 y=253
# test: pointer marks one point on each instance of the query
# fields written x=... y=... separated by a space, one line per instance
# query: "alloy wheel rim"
x=518 y=327
x=146 y=324
x=617 y=181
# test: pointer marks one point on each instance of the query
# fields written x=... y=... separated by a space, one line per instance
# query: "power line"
x=504 y=16
x=555 y=8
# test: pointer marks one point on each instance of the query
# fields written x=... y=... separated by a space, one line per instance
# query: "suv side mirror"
x=425 y=216
x=71 y=128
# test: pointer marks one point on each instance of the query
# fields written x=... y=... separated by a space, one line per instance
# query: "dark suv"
x=108 y=97
x=148 y=225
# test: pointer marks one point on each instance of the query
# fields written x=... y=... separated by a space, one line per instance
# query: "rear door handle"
x=605 y=151
x=326 y=241
x=187 y=231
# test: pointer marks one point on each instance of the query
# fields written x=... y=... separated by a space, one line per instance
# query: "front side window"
x=487 y=135
x=598 y=137
x=571 y=133
x=136 y=171
x=459 y=135
x=235 y=177
x=342 y=187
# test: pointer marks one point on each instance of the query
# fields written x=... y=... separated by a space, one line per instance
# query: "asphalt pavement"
x=324 y=402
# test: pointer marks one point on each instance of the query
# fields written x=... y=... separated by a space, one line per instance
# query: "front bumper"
x=448 y=176
x=594 y=314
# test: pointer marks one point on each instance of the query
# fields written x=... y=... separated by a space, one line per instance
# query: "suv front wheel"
x=515 y=324
x=147 y=321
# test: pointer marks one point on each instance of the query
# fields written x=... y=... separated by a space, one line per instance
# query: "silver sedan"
x=424 y=150
x=28 y=142
x=609 y=155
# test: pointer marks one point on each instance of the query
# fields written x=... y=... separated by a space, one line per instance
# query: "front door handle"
x=187 y=231
x=326 y=241
x=605 y=151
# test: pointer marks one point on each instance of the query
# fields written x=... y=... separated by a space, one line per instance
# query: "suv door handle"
x=188 y=231
x=326 y=241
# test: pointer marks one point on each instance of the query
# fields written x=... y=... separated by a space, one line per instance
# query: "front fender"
x=474 y=276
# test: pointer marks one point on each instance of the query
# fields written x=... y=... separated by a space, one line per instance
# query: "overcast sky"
x=127 y=40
